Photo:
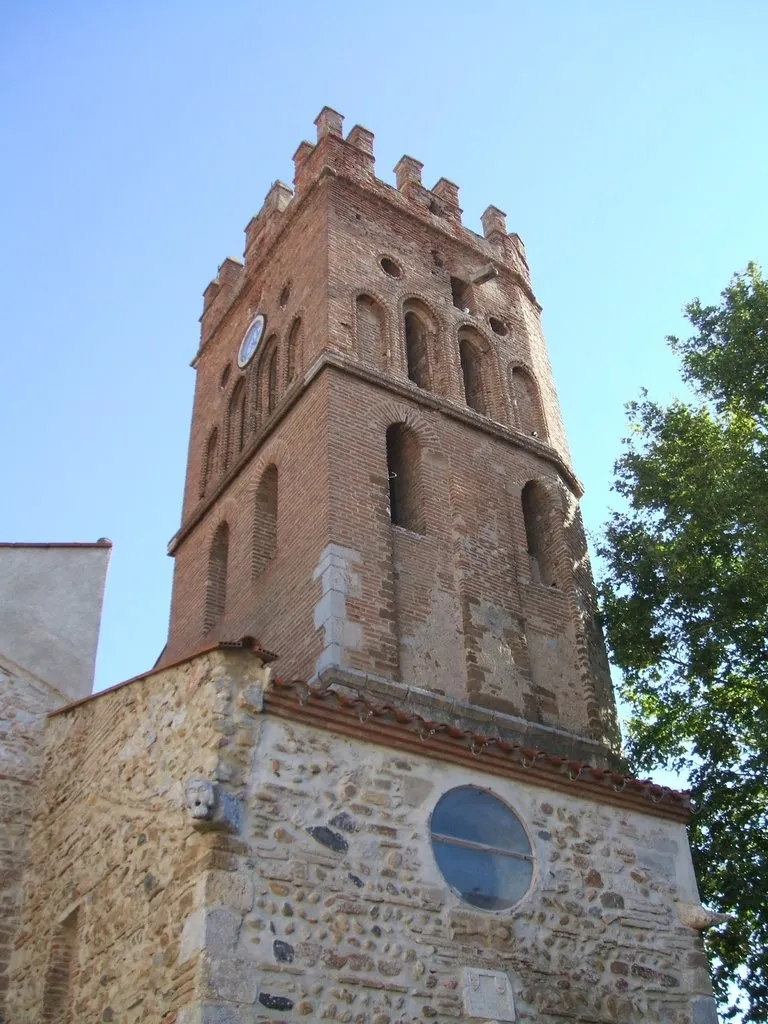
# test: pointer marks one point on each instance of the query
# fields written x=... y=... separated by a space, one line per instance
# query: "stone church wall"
x=352 y=921
x=24 y=703
x=310 y=891
x=112 y=846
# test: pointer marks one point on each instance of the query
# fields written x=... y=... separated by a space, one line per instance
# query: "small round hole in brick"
x=225 y=376
x=285 y=294
x=390 y=267
x=498 y=326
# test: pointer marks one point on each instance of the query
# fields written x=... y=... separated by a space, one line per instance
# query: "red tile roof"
x=365 y=719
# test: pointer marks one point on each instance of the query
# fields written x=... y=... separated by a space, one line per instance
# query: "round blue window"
x=481 y=848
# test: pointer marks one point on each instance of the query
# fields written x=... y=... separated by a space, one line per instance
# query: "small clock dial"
x=250 y=342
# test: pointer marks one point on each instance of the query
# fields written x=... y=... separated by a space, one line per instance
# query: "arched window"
x=474 y=371
x=236 y=422
x=369 y=330
x=57 y=988
x=416 y=350
x=406 y=499
x=265 y=521
x=209 y=460
x=293 y=349
x=216 y=584
x=267 y=378
x=539 y=533
x=528 y=415
x=272 y=381
x=254 y=394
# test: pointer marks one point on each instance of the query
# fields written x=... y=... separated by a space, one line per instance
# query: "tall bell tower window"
x=539 y=534
x=236 y=422
x=416 y=350
x=404 y=472
x=209 y=460
x=473 y=373
x=370 y=330
x=272 y=386
x=293 y=353
x=528 y=414
x=216 y=584
x=265 y=521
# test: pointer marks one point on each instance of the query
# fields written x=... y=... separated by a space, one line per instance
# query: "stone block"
x=232 y=890
x=704 y=1011
x=211 y=930
x=488 y=995
x=231 y=979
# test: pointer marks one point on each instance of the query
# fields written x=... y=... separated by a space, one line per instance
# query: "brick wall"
x=454 y=609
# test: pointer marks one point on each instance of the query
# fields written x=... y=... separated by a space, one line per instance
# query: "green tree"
x=685 y=603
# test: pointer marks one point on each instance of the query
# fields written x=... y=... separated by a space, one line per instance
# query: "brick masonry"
x=457 y=608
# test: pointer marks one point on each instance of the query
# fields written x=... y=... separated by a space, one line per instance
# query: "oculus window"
x=481 y=848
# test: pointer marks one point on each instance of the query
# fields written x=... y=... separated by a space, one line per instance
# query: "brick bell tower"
x=413 y=815
x=378 y=485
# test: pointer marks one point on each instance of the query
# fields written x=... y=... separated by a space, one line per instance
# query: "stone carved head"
x=200 y=798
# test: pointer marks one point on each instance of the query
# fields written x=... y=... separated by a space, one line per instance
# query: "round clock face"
x=250 y=342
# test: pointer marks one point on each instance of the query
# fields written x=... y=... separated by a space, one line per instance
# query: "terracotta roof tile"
x=539 y=762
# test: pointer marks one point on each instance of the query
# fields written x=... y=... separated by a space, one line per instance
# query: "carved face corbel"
x=210 y=807
x=200 y=798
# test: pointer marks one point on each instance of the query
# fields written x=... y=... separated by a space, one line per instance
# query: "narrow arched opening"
x=236 y=422
x=416 y=350
x=369 y=330
x=216 y=582
x=208 y=469
x=265 y=521
x=526 y=405
x=474 y=374
x=539 y=533
x=293 y=349
x=404 y=472
x=272 y=381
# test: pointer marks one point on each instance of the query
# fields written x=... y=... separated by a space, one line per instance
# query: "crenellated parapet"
x=219 y=296
x=268 y=221
x=351 y=159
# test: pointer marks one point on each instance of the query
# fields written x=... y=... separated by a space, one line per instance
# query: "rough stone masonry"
x=298 y=883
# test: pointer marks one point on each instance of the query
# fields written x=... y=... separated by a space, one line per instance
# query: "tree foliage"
x=685 y=601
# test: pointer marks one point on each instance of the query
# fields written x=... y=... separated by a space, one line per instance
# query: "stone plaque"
x=488 y=995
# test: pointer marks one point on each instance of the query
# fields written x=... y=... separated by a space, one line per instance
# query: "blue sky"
x=626 y=141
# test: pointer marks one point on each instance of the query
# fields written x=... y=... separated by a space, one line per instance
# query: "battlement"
x=352 y=158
